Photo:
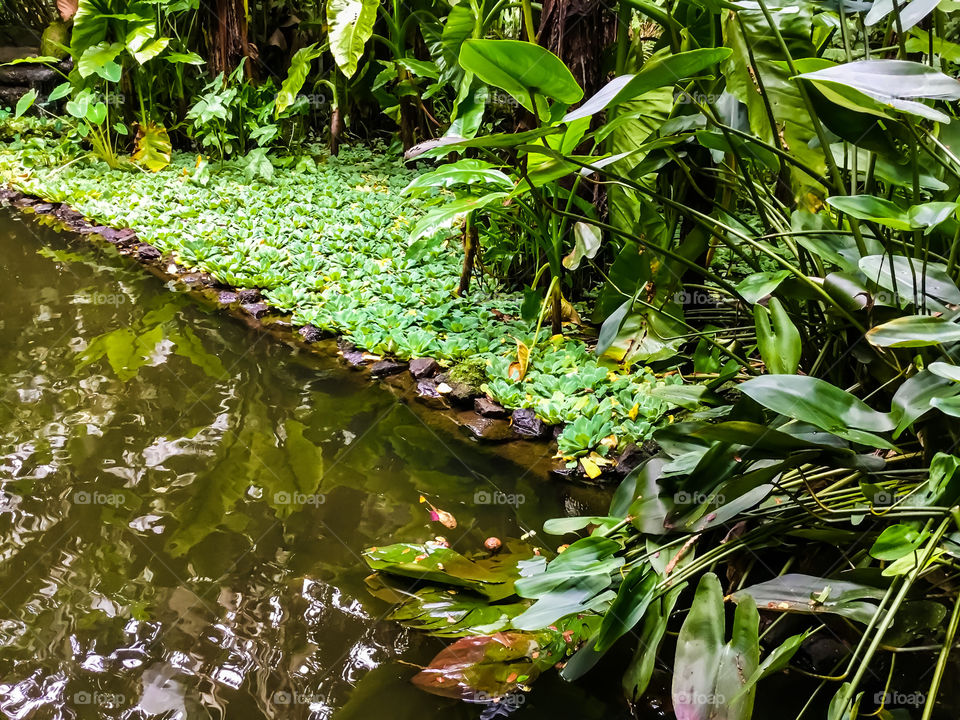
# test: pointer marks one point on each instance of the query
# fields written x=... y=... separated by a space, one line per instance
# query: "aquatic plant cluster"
x=324 y=240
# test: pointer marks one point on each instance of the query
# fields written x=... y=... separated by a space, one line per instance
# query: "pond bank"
x=324 y=259
x=191 y=520
x=406 y=380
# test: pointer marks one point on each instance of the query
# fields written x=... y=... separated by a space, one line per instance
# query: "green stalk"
x=528 y=21
x=846 y=696
x=942 y=661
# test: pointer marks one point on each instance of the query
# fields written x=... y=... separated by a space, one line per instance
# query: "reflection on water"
x=183 y=502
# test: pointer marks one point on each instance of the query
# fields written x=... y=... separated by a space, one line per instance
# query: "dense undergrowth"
x=325 y=240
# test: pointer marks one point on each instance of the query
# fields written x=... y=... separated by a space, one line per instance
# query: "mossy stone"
x=55 y=39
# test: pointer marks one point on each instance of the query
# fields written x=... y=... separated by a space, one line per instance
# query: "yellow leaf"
x=634 y=411
x=590 y=468
x=153 y=147
x=518 y=370
x=569 y=313
x=598 y=459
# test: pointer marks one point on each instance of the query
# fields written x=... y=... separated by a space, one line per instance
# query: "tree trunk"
x=227 y=36
x=471 y=243
x=577 y=31
x=336 y=129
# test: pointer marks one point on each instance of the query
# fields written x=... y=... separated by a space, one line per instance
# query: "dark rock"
x=249 y=296
x=311 y=334
x=227 y=297
x=9 y=96
x=424 y=367
x=258 y=310
x=428 y=395
x=383 y=368
x=122 y=237
x=192 y=279
x=527 y=424
x=147 y=252
x=427 y=388
x=633 y=455
x=68 y=214
x=460 y=394
x=43 y=208
x=25 y=201
x=563 y=472
x=489 y=429
x=8 y=194
x=26 y=74
x=351 y=353
x=490 y=408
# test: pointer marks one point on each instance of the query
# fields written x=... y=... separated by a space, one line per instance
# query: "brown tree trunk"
x=408 y=121
x=577 y=31
x=227 y=38
x=336 y=129
x=471 y=242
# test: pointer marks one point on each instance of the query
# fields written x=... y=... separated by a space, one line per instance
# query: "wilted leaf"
x=486 y=666
x=153 y=148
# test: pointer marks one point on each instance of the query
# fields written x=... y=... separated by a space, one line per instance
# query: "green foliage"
x=351 y=25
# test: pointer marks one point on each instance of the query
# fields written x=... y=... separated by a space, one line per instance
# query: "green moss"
x=472 y=372
x=55 y=39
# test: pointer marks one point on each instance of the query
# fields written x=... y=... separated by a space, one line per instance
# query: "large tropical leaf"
x=486 y=667
x=153 y=148
x=889 y=84
x=819 y=403
x=296 y=76
x=100 y=59
x=351 y=25
x=661 y=71
x=914 y=331
x=911 y=278
x=521 y=68
x=574 y=582
x=800 y=593
x=492 y=578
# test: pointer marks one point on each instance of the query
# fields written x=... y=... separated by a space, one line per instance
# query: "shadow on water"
x=183 y=502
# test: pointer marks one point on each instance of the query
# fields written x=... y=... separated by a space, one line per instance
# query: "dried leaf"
x=67 y=8
x=491 y=665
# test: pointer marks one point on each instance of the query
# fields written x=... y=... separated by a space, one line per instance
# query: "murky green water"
x=183 y=502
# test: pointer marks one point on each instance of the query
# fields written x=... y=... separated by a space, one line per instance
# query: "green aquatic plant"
x=320 y=244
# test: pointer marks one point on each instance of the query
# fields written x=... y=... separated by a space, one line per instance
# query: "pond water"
x=183 y=503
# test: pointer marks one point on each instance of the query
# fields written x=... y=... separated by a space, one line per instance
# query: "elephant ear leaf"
x=521 y=68
x=351 y=25
x=710 y=680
